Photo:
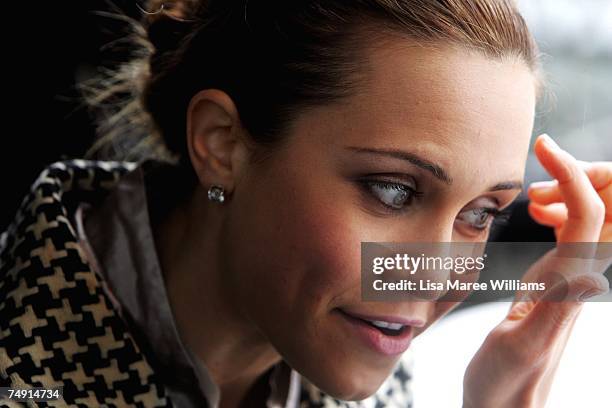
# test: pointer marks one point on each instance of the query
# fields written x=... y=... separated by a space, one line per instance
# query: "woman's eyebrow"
x=413 y=158
x=425 y=164
x=507 y=185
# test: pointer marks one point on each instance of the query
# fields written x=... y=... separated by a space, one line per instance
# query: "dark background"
x=46 y=46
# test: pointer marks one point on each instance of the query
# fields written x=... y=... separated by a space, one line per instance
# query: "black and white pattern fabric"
x=58 y=326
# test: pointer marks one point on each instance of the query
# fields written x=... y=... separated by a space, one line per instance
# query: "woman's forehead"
x=443 y=87
x=448 y=100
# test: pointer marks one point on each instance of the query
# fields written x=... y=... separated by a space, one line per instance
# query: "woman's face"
x=451 y=125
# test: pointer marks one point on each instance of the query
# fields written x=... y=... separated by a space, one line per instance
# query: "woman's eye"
x=478 y=218
x=393 y=195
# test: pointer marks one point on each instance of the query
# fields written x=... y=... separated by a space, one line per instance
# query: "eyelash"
x=386 y=184
x=499 y=217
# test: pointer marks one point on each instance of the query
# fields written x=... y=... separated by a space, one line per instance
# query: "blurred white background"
x=442 y=353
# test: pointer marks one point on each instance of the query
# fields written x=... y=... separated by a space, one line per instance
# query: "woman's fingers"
x=540 y=328
x=600 y=173
x=600 y=176
x=570 y=204
x=555 y=312
x=552 y=215
x=585 y=209
x=545 y=192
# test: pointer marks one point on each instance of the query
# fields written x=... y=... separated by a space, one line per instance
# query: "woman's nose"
x=437 y=230
x=432 y=243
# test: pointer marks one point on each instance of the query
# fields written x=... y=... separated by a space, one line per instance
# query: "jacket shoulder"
x=59 y=327
x=64 y=184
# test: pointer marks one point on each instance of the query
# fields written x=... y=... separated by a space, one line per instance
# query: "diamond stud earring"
x=216 y=193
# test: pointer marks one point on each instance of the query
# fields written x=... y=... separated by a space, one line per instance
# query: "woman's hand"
x=515 y=365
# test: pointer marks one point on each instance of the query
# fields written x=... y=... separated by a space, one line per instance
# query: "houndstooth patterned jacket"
x=58 y=326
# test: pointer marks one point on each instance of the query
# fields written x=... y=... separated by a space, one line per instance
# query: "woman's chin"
x=345 y=369
x=352 y=393
x=351 y=386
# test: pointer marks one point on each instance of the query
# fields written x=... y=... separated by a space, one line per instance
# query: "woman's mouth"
x=386 y=337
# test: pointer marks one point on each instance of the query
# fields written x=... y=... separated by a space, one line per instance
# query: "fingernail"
x=538 y=185
x=590 y=293
x=550 y=142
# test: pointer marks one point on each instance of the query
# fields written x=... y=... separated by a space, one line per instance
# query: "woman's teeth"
x=386 y=325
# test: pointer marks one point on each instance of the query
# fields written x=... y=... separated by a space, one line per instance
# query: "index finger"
x=584 y=206
x=599 y=173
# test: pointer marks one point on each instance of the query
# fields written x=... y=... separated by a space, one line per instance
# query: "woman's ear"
x=215 y=139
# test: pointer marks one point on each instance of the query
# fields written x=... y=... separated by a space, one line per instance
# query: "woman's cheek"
x=296 y=252
x=324 y=253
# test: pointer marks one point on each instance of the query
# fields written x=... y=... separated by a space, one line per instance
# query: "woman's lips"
x=373 y=337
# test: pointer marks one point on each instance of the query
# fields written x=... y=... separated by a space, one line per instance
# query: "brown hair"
x=276 y=58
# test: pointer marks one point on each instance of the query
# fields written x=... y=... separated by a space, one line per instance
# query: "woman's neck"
x=235 y=353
